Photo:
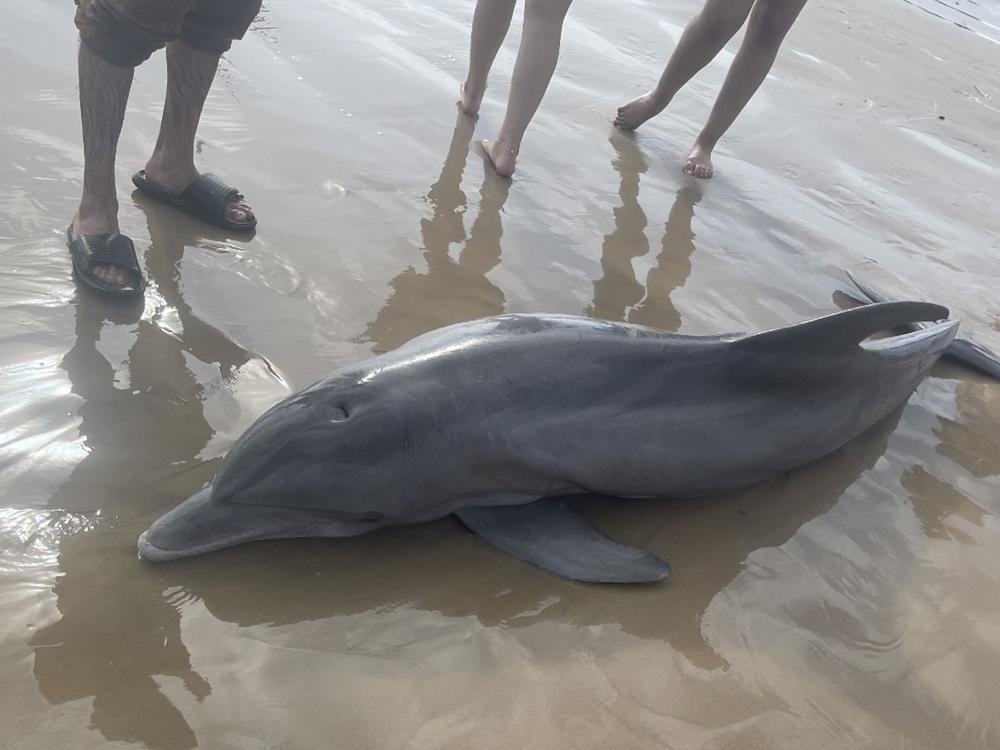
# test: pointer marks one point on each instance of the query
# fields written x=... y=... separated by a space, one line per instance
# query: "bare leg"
x=490 y=24
x=536 y=61
x=103 y=94
x=769 y=23
x=190 y=73
x=704 y=36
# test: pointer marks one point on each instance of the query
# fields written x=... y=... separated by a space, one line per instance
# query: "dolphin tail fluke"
x=976 y=356
x=963 y=349
x=549 y=535
x=844 y=329
x=868 y=292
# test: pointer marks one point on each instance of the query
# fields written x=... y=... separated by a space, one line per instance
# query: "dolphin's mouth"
x=150 y=552
x=201 y=524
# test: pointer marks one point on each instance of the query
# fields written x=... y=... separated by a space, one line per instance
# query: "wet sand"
x=853 y=603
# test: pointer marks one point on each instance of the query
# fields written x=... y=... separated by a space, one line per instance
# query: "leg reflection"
x=451 y=290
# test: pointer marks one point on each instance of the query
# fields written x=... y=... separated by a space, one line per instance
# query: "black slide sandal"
x=89 y=250
x=206 y=198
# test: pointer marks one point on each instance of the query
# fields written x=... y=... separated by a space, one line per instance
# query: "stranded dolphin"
x=482 y=419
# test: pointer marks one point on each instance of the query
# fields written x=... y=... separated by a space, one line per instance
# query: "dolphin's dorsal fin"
x=963 y=349
x=842 y=330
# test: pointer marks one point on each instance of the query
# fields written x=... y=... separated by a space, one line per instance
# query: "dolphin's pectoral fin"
x=549 y=535
x=844 y=329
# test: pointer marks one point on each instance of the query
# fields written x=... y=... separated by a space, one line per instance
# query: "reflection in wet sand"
x=618 y=295
x=618 y=290
x=900 y=571
x=966 y=445
x=143 y=427
x=452 y=290
x=972 y=437
x=938 y=503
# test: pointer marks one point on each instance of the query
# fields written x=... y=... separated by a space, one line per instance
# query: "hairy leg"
x=190 y=73
x=104 y=90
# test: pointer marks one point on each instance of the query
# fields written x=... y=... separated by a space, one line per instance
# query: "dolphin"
x=498 y=420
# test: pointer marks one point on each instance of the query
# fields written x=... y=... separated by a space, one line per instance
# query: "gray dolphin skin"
x=498 y=420
x=963 y=349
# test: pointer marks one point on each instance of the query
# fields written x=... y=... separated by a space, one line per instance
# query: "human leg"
x=490 y=24
x=536 y=61
x=705 y=35
x=769 y=22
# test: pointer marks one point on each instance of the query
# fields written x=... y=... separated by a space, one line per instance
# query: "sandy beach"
x=854 y=603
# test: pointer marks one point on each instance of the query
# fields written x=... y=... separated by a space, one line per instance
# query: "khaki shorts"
x=127 y=32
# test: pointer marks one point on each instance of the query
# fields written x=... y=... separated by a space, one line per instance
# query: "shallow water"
x=853 y=603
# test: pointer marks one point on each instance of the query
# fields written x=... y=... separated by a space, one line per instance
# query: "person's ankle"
x=506 y=145
x=96 y=217
x=704 y=145
x=659 y=99
x=171 y=172
x=471 y=98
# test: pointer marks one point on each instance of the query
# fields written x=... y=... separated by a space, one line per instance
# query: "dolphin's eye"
x=336 y=414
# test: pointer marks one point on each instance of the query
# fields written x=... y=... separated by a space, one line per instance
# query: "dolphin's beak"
x=200 y=525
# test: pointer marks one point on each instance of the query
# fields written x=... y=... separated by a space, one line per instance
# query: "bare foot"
x=501 y=155
x=636 y=112
x=699 y=162
x=468 y=101
x=103 y=223
x=174 y=176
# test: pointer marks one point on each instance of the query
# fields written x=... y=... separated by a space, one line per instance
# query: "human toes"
x=109 y=275
x=239 y=211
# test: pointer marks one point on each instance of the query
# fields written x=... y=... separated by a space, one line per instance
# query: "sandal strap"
x=111 y=249
x=211 y=194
